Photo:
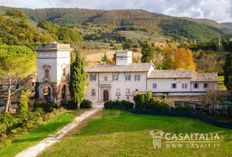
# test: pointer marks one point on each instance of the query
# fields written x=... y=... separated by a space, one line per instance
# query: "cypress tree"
x=228 y=71
x=147 y=52
x=78 y=80
x=23 y=101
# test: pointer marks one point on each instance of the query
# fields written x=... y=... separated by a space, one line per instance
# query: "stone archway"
x=64 y=92
x=47 y=93
x=105 y=95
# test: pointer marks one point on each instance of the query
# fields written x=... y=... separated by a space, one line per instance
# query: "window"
x=47 y=73
x=127 y=92
x=93 y=77
x=173 y=85
x=206 y=85
x=137 y=77
x=127 y=77
x=93 y=92
x=115 y=77
x=195 y=85
x=154 y=85
x=105 y=78
x=184 y=85
x=118 y=92
x=64 y=73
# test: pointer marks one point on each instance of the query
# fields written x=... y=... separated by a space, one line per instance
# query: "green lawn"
x=220 y=85
x=117 y=133
x=38 y=133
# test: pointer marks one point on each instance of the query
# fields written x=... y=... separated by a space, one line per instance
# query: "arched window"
x=47 y=75
x=64 y=73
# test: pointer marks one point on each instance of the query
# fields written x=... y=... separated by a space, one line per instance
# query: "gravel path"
x=42 y=145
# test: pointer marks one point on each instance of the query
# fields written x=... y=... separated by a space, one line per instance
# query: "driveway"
x=42 y=145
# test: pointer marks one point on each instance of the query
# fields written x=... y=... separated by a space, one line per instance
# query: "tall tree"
x=78 y=80
x=184 y=59
x=16 y=63
x=168 y=60
x=228 y=71
x=147 y=52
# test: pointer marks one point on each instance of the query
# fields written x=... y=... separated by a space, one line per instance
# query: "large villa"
x=116 y=82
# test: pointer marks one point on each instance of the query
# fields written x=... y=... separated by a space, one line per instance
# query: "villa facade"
x=122 y=80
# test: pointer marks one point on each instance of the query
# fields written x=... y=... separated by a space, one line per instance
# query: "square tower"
x=123 y=57
x=53 y=68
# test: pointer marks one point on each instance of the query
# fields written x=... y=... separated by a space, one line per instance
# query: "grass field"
x=38 y=133
x=117 y=133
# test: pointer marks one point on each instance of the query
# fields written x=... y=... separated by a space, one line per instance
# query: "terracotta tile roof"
x=188 y=74
x=139 y=67
x=200 y=77
x=171 y=74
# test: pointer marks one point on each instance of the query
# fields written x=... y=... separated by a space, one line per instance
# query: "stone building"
x=53 y=68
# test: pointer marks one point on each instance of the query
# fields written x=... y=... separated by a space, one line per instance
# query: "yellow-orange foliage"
x=183 y=59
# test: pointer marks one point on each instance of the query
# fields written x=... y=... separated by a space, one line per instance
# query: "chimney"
x=124 y=57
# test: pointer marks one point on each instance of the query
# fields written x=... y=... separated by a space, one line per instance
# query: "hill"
x=228 y=27
x=111 y=22
x=117 y=24
x=17 y=29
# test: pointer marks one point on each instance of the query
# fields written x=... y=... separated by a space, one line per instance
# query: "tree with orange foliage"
x=183 y=59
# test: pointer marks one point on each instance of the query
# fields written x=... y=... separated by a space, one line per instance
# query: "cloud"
x=219 y=10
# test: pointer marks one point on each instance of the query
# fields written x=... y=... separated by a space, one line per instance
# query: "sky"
x=218 y=10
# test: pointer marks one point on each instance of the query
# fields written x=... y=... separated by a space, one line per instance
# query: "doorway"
x=63 y=94
x=105 y=95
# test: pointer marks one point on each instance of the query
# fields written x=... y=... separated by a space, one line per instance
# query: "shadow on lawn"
x=40 y=133
x=128 y=122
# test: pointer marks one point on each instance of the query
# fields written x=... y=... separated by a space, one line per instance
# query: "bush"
x=124 y=105
x=47 y=107
x=86 y=104
x=157 y=105
x=23 y=101
x=141 y=100
x=70 y=105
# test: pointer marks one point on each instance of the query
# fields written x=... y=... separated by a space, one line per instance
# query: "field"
x=118 y=133
x=38 y=133
x=94 y=56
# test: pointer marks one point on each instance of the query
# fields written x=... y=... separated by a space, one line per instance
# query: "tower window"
x=93 y=92
x=64 y=73
x=93 y=77
x=118 y=92
x=47 y=73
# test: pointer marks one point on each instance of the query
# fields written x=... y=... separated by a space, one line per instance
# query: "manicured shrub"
x=123 y=105
x=86 y=104
x=156 y=105
x=70 y=105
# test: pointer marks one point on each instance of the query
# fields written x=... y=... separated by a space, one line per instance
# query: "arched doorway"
x=47 y=93
x=63 y=93
x=105 y=95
